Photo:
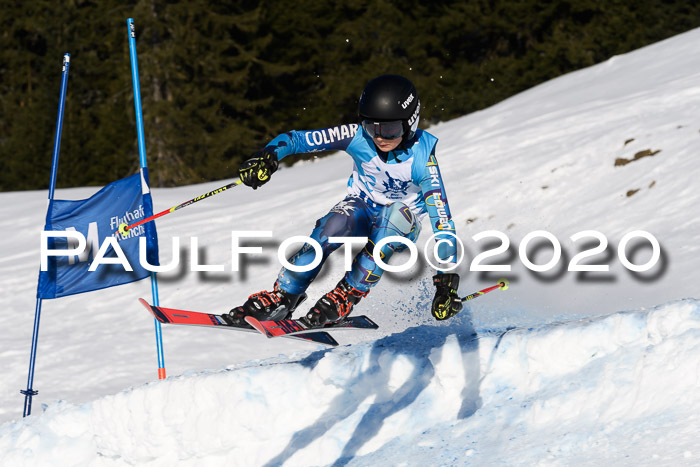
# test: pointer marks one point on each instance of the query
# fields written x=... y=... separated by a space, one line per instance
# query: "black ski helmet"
x=388 y=98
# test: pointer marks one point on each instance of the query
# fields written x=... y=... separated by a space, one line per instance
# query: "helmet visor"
x=385 y=130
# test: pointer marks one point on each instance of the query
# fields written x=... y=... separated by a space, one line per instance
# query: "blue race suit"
x=388 y=194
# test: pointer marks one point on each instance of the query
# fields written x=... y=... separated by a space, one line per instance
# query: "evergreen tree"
x=220 y=79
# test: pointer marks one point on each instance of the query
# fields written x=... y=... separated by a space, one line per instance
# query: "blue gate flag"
x=99 y=217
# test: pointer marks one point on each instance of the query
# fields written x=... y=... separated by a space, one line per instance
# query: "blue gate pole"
x=142 y=155
x=29 y=392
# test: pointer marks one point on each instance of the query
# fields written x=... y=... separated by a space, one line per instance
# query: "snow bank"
x=623 y=366
x=350 y=403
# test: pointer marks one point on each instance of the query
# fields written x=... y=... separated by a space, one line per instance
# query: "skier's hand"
x=446 y=302
x=257 y=170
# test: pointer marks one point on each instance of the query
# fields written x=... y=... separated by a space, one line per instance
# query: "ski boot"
x=335 y=305
x=267 y=306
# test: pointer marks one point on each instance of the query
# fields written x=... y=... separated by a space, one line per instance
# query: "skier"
x=395 y=182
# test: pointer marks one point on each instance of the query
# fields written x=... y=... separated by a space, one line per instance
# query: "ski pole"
x=124 y=227
x=502 y=284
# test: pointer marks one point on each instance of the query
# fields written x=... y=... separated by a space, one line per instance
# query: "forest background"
x=220 y=79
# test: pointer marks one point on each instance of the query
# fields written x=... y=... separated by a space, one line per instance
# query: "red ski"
x=194 y=318
x=298 y=327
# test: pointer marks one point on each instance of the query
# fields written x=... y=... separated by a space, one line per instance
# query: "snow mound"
x=361 y=404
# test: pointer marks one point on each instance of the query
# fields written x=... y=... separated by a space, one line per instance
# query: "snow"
x=424 y=396
x=563 y=368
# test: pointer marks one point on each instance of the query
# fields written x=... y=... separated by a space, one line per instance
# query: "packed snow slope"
x=568 y=392
x=565 y=367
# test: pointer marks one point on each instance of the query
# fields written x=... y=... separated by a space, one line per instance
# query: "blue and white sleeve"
x=336 y=138
x=435 y=198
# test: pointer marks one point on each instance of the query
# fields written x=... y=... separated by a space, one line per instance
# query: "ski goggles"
x=386 y=130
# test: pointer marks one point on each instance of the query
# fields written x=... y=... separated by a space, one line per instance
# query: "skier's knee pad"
x=400 y=220
x=397 y=219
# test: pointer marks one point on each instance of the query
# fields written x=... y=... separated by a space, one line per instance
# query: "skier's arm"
x=435 y=198
x=326 y=139
x=446 y=302
x=257 y=170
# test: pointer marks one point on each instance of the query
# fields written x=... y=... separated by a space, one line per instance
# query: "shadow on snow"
x=416 y=344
